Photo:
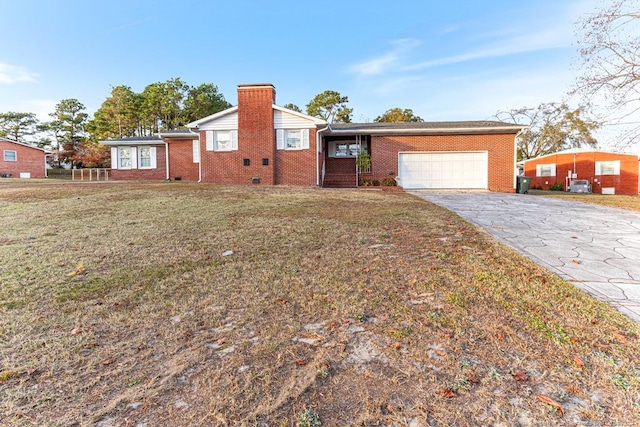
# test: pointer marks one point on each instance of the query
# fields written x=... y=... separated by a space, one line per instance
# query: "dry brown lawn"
x=121 y=305
x=614 y=201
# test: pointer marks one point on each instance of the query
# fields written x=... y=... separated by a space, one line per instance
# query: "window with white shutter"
x=292 y=139
x=222 y=140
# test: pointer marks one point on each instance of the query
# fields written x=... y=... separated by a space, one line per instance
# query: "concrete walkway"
x=594 y=247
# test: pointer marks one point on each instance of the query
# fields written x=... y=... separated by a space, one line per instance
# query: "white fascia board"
x=116 y=143
x=197 y=123
x=425 y=131
x=186 y=135
x=315 y=120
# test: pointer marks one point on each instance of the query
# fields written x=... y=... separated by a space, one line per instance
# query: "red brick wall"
x=341 y=166
x=297 y=167
x=256 y=141
x=28 y=160
x=385 y=149
x=181 y=160
x=158 y=173
x=256 y=133
x=585 y=167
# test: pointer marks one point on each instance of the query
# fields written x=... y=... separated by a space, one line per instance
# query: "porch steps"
x=340 y=180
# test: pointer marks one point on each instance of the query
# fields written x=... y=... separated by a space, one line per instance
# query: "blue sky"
x=446 y=60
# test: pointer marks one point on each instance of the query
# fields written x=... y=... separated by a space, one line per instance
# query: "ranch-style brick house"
x=258 y=142
x=21 y=160
x=608 y=172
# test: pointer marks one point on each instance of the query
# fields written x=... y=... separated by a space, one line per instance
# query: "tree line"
x=162 y=106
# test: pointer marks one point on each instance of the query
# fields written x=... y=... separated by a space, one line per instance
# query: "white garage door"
x=444 y=170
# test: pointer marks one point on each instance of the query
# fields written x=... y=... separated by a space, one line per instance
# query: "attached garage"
x=431 y=155
x=438 y=170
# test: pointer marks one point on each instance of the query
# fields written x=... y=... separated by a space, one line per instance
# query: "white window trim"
x=282 y=136
x=211 y=140
x=132 y=156
x=153 y=161
x=608 y=164
x=15 y=155
x=135 y=157
x=332 y=149
x=541 y=167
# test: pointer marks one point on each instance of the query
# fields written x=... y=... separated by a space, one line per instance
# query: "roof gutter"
x=435 y=131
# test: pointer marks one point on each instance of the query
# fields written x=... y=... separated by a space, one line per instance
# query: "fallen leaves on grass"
x=549 y=401
x=449 y=393
x=579 y=363
x=520 y=376
x=109 y=361
x=620 y=338
x=397 y=345
x=79 y=271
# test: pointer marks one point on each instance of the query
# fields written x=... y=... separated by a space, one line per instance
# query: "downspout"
x=515 y=158
x=359 y=144
x=319 y=150
x=199 y=154
x=166 y=160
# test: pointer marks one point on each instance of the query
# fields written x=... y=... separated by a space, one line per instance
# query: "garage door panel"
x=449 y=170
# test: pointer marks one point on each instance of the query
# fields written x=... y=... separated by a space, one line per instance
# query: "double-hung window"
x=611 y=167
x=548 y=169
x=221 y=140
x=10 y=155
x=144 y=154
x=134 y=157
x=345 y=148
x=124 y=157
x=292 y=139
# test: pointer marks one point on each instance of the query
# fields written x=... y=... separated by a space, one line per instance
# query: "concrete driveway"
x=594 y=247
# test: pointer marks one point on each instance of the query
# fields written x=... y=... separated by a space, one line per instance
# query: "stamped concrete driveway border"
x=594 y=247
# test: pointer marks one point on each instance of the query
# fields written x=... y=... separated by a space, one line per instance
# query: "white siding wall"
x=228 y=122
x=282 y=120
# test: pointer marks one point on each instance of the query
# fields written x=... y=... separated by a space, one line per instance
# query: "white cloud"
x=551 y=38
x=386 y=61
x=41 y=108
x=10 y=74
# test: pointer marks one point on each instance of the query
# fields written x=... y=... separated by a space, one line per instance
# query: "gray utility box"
x=580 y=186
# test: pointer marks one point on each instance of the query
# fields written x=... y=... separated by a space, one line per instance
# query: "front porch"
x=340 y=160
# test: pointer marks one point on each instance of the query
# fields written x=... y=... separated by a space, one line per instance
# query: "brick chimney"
x=256 y=133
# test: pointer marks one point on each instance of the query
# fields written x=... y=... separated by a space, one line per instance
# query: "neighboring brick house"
x=260 y=142
x=18 y=159
x=608 y=172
